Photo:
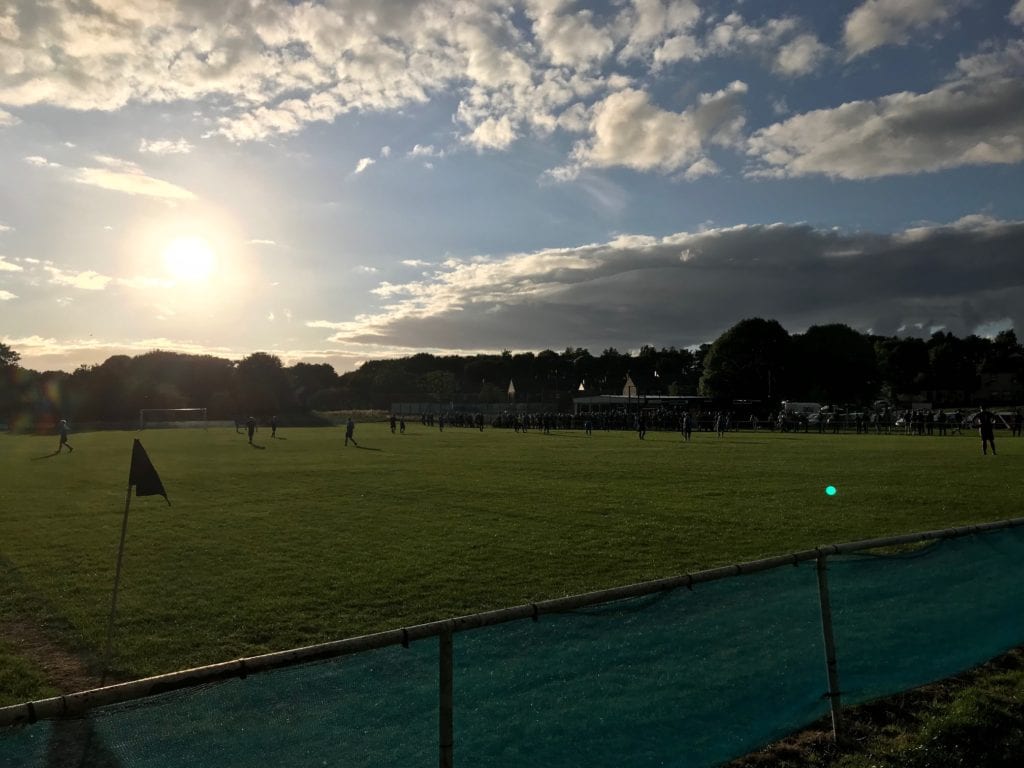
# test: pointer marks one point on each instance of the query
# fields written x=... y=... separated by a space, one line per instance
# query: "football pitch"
x=299 y=540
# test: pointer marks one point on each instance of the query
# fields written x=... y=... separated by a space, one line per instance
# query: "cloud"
x=1017 y=13
x=415 y=263
x=800 y=56
x=420 y=150
x=257 y=241
x=256 y=72
x=6 y=266
x=7 y=295
x=5 y=228
x=166 y=147
x=363 y=164
x=124 y=176
x=687 y=288
x=781 y=43
x=628 y=130
x=875 y=23
x=569 y=39
x=86 y=281
x=7 y=119
x=40 y=162
x=975 y=119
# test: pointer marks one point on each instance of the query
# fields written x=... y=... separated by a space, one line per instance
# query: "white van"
x=792 y=408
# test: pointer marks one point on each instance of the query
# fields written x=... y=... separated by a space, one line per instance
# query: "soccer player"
x=63 y=425
x=250 y=427
x=350 y=427
x=273 y=426
x=985 y=428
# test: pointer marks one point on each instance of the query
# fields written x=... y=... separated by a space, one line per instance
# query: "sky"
x=348 y=180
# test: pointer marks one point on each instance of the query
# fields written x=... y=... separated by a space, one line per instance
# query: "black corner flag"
x=143 y=475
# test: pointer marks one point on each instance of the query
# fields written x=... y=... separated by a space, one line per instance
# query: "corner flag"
x=143 y=475
x=147 y=483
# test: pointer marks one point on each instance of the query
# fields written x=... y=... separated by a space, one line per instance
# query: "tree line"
x=756 y=360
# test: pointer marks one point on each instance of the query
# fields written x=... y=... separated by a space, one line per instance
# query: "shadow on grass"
x=258 y=447
x=365 y=448
x=46 y=456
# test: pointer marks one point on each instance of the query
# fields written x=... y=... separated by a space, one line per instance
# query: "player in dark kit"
x=64 y=436
x=350 y=427
x=250 y=427
x=985 y=429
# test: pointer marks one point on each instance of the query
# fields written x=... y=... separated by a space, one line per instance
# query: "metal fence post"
x=446 y=729
x=830 y=649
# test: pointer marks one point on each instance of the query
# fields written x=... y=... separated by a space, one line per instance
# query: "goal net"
x=152 y=418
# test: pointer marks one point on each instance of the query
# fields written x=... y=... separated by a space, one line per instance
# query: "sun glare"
x=189 y=259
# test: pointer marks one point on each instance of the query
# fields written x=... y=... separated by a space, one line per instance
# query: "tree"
x=953 y=364
x=903 y=365
x=748 y=361
x=8 y=357
x=262 y=384
x=836 y=364
x=9 y=391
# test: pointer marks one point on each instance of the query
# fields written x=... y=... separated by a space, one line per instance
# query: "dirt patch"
x=62 y=669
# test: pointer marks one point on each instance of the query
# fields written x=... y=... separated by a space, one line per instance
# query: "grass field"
x=301 y=540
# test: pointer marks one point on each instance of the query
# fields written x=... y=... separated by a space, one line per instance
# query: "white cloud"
x=652 y=22
x=6 y=266
x=492 y=133
x=5 y=228
x=628 y=130
x=976 y=119
x=415 y=263
x=800 y=56
x=875 y=23
x=7 y=119
x=1017 y=13
x=365 y=270
x=166 y=147
x=40 y=162
x=420 y=150
x=703 y=167
x=363 y=164
x=569 y=39
x=7 y=295
x=257 y=241
x=86 y=281
x=123 y=176
x=385 y=151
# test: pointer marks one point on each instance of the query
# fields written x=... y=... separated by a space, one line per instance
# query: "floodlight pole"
x=835 y=704
x=117 y=581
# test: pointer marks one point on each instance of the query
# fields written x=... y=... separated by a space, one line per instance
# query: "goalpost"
x=172 y=417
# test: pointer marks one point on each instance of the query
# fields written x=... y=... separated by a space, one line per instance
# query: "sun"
x=189 y=259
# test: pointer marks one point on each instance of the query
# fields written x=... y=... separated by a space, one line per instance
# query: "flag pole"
x=117 y=581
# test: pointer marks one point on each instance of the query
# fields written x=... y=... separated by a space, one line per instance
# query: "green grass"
x=306 y=540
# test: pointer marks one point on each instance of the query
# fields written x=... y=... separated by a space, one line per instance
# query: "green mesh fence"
x=904 y=620
x=678 y=678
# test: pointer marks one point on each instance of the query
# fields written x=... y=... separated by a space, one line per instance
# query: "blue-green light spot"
x=830 y=490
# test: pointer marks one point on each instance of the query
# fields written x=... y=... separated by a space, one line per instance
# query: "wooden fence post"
x=835 y=702
x=446 y=731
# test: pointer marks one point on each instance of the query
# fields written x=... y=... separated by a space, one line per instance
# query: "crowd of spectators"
x=920 y=421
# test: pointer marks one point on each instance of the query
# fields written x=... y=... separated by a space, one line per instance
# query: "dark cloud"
x=688 y=288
